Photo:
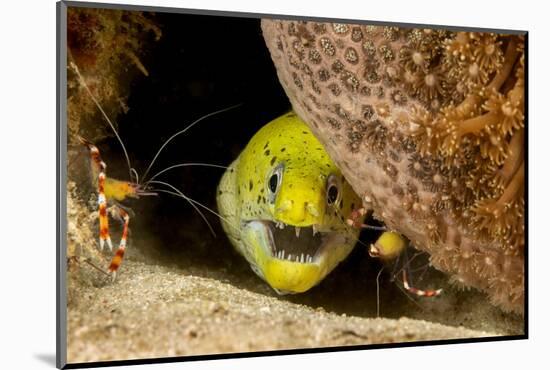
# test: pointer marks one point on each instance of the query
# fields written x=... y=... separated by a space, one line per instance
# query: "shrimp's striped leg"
x=99 y=167
x=97 y=163
x=119 y=255
x=103 y=218
x=419 y=292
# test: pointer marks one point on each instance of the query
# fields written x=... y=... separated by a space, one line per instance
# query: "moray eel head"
x=290 y=205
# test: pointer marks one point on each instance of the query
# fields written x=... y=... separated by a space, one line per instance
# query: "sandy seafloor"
x=176 y=305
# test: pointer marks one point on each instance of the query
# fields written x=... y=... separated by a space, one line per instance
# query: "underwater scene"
x=238 y=184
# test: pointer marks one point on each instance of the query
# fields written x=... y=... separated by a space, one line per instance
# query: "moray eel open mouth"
x=294 y=244
x=293 y=259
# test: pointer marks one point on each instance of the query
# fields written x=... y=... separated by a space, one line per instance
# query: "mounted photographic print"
x=236 y=185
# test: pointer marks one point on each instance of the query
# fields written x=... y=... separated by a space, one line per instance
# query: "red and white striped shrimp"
x=109 y=188
x=113 y=190
x=389 y=247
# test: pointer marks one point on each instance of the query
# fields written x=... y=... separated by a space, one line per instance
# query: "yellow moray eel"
x=284 y=204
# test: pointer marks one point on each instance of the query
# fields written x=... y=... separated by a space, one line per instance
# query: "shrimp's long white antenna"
x=184 y=165
x=377 y=228
x=191 y=202
x=181 y=195
x=85 y=85
x=378 y=292
x=135 y=174
x=184 y=130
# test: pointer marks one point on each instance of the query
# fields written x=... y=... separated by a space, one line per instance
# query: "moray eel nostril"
x=278 y=211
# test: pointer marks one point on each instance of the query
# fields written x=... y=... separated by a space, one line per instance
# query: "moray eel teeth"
x=304 y=245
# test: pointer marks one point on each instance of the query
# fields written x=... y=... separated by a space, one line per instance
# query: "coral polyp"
x=445 y=112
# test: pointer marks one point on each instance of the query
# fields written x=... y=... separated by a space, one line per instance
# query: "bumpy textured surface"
x=428 y=126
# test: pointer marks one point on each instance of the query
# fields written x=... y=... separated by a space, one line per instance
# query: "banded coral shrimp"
x=113 y=191
x=396 y=264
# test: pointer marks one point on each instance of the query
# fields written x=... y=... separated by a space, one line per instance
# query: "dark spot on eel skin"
x=304 y=132
x=266 y=144
x=259 y=199
x=262 y=190
x=283 y=149
x=273 y=160
x=267 y=152
x=250 y=185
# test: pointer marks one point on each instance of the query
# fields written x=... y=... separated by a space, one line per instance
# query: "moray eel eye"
x=333 y=190
x=274 y=181
x=332 y=194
